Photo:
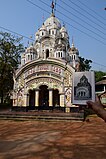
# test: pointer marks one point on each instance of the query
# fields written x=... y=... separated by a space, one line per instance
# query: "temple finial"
x=43 y=17
x=72 y=41
x=52 y=6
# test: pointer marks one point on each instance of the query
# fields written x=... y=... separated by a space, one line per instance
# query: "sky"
x=85 y=21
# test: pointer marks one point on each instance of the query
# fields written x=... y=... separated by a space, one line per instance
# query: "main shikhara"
x=44 y=78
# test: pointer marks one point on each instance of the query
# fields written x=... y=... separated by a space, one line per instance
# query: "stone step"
x=51 y=117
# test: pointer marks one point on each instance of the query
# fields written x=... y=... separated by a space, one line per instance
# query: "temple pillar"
x=27 y=104
x=25 y=100
x=62 y=99
x=37 y=97
x=50 y=97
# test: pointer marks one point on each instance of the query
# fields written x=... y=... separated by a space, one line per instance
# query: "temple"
x=44 y=77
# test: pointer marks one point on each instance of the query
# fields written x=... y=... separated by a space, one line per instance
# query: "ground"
x=53 y=140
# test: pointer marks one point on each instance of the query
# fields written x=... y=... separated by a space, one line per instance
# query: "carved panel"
x=68 y=94
x=51 y=83
x=20 y=95
x=66 y=78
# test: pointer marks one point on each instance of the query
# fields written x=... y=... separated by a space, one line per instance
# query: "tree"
x=10 y=49
x=84 y=64
x=99 y=75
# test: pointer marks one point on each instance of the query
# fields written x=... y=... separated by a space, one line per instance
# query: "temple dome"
x=43 y=27
x=51 y=21
x=31 y=49
x=63 y=29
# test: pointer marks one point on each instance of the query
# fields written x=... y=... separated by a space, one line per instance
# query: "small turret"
x=30 y=54
x=74 y=56
x=64 y=33
x=43 y=30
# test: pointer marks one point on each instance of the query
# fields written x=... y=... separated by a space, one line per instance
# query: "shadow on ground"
x=53 y=140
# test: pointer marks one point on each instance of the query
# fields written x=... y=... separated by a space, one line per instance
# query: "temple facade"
x=44 y=78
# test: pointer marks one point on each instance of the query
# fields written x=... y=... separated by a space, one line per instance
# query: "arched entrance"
x=56 y=97
x=43 y=96
x=31 y=98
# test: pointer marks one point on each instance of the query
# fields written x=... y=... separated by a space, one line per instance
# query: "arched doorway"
x=43 y=96
x=31 y=98
x=56 y=97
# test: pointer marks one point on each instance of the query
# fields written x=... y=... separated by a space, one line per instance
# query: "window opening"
x=47 y=53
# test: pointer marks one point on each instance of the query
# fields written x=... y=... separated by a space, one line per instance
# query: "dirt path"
x=53 y=140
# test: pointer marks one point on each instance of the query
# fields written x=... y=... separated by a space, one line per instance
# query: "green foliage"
x=99 y=75
x=84 y=64
x=10 y=49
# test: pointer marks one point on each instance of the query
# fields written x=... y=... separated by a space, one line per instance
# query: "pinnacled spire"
x=72 y=41
x=52 y=6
